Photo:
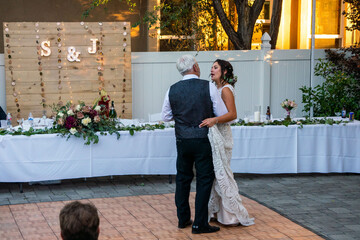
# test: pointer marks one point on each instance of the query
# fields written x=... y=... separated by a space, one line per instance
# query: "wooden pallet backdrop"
x=34 y=82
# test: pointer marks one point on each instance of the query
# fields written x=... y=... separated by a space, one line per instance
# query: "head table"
x=262 y=150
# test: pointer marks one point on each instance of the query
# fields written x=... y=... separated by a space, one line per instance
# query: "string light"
x=58 y=43
x=40 y=67
x=16 y=95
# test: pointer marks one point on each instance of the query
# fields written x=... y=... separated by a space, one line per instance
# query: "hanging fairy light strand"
x=100 y=58
x=58 y=43
x=15 y=94
x=40 y=65
x=124 y=76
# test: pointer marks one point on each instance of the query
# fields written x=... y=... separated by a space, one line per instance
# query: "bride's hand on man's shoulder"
x=208 y=122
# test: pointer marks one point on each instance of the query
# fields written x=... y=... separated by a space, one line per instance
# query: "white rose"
x=78 y=107
x=70 y=112
x=86 y=121
x=73 y=131
x=97 y=108
x=60 y=114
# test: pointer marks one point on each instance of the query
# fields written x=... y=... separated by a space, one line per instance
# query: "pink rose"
x=86 y=109
x=79 y=115
x=96 y=119
x=60 y=121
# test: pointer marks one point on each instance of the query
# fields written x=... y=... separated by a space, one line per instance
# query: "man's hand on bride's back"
x=208 y=122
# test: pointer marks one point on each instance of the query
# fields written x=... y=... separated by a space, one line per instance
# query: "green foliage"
x=194 y=24
x=93 y=137
x=286 y=123
x=341 y=88
x=96 y=3
x=353 y=14
x=89 y=136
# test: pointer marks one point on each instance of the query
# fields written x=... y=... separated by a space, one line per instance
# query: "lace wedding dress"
x=225 y=202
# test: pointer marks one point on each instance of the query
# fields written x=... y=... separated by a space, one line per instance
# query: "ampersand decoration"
x=73 y=55
x=40 y=68
x=15 y=94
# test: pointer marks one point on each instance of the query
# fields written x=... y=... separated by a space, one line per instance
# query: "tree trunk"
x=247 y=16
x=275 y=22
x=233 y=36
x=255 y=11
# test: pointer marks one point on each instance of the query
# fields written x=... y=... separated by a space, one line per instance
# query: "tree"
x=247 y=16
x=353 y=14
x=341 y=88
x=204 y=17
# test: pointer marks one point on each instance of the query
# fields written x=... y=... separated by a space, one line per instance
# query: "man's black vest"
x=190 y=104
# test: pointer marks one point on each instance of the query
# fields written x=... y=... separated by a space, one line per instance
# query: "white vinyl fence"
x=265 y=77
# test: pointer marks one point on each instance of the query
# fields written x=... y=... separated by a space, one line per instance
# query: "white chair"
x=155 y=117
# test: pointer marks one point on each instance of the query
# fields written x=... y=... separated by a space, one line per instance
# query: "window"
x=327 y=24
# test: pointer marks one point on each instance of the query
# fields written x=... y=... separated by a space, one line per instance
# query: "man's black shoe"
x=184 y=225
x=206 y=229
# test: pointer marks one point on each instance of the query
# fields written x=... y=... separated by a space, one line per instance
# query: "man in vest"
x=188 y=102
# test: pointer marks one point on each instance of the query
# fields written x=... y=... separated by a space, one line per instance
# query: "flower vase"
x=288 y=116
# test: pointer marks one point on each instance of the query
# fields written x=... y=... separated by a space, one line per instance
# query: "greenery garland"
x=300 y=122
x=91 y=137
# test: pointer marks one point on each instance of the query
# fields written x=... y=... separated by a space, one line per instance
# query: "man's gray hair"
x=185 y=63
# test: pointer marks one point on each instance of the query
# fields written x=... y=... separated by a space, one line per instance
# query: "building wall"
x=293 y=33
x=295 y=25
x=71 y=11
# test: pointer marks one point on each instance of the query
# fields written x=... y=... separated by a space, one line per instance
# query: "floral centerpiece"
x=103 y=101
x=288 y=105
x=83 y=121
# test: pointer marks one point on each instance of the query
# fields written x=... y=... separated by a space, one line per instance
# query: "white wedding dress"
x=225 y=202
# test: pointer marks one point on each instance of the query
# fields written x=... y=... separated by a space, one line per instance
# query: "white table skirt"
x=265 y=150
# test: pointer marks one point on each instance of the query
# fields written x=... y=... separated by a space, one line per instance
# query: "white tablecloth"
x=265 y=150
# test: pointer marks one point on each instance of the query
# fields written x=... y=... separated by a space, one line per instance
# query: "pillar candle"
x=256 y=116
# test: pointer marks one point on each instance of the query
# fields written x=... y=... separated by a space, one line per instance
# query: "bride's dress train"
x=225 y=202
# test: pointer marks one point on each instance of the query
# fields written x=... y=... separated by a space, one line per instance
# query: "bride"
x=225 y=203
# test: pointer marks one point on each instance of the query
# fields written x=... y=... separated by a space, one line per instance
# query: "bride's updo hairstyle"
x=229 y=76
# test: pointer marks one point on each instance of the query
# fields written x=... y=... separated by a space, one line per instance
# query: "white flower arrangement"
x=70 y=112
x=97 y=108
x=73 y=131
x=86 y=121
